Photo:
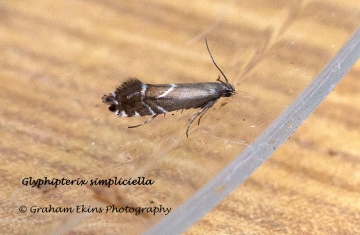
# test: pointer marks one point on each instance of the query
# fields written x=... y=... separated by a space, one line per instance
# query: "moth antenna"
x=219 y=80
x=207 y=46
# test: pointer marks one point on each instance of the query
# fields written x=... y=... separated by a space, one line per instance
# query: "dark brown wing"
x=182 y=96
x=127 y=99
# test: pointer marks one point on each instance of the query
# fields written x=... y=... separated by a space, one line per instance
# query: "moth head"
x=230 y=90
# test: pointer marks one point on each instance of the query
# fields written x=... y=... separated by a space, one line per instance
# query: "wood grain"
x=60 y=57
x=310 y=185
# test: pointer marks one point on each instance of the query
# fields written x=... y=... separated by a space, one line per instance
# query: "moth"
x=135 y=98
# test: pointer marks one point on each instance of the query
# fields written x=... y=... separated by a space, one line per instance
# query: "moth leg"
x=150 y=119
x=207 y=106
x=202 y=115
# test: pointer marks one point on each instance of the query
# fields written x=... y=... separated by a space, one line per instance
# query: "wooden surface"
x=311 y=185
x=59 y=57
